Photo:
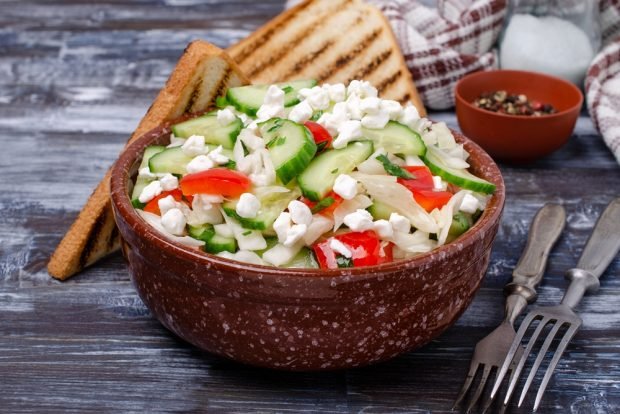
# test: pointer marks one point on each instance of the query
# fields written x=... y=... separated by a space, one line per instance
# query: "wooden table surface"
x=75 y=78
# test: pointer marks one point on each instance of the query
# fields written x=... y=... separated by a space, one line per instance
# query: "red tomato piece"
x=328 y=211
x=430 y=200
x=365 y=247
x=319 y=133
x=423 y=179
x=153 y=205
x=220 y=181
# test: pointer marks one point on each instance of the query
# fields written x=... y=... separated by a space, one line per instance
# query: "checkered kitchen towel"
x=443 y=43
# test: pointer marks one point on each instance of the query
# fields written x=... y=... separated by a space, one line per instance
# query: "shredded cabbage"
x=155 y=221
x=385 y=189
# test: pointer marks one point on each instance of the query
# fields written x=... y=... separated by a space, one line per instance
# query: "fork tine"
x=489 y=400
x=473 y=368
x=513 y=383
x=480 y=388
x=568 y=335
x=516 y=343
x=539 y=358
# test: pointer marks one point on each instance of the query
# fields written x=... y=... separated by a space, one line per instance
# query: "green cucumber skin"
x=317 y=180
x=142 y=182
x=396 y=138
x=171 y=160
x=304 y=259
x=380 y=211
x=235 y=96
x=254 y=224
x=291 y=157
x=468 y=183
x=461 y=222
x=217 y=244
x=204 y=233
x=209 y=127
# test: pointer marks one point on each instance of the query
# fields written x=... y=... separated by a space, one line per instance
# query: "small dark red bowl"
x=302 y=319
x=515 y=138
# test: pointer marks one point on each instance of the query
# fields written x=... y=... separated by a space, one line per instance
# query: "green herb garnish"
x=322 y=205
x=316 y=116
x=344 y=261
x=231 y=165
x=246 y=233
x=334 y=171
x=287 y=89
x=394 y=169
x=278 y=140
x=137 y=204
x=276 y=124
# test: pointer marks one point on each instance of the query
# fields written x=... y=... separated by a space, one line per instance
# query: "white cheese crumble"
x=409 y=115
x=174 y=221
x=194 y=145
x=199 y=163
x=281 y=225
x=251 y=141
x=437 y=183
x=223 y=230
x=469 y=204
x=294 y=234
x=392 y=108
x=347 y=132
x=318 y=98
x=339 y=247
x=248 y=206
x=337 y=92
x=300 y=212
x=383 y=228
x=166 y=204
x=273 y=104
x=146 y=173
x=359 y=220
x=152 y=190
x=345 y=186
x=400 y=223
x=169 y=182
x=300 y=112
x=225 y=117
x=375 y=121
x=217 y=157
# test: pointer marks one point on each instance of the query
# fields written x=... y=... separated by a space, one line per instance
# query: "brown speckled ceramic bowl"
x=302 y=319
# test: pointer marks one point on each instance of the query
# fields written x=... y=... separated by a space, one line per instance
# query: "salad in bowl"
x=307 y=176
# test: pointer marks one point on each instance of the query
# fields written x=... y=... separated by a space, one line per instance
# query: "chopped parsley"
x=278 y=140
x=246 y=233
x=344 y=261
x=231 y=165
x=276 y=124
x=323 y=204
x=316 y=116
x=287 y=89
x=394 y=169
x=334 y=171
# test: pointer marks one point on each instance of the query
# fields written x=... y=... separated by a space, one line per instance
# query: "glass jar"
x=557 y=37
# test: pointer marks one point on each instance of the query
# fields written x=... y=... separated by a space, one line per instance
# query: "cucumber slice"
x=171 y=160
x=380 y=210
x=304 y=259
x=209 y=127
x=271 y=206
x=461 y=222
x=204 y=232
x=217 y=244
x=142 y=182
x=214 y=243
x=290 y=145
x=459 y=177
x=396 y=138
x=318 y=179
x=249 y=98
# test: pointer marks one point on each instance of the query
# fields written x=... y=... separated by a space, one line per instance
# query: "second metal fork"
x=601 y=248
x=491 y=350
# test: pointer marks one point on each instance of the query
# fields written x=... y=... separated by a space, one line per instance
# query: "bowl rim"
x=120 y=199
x=460 y=99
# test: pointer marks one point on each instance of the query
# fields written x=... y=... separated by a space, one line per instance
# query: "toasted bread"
x=202 y=74
x=330 y=41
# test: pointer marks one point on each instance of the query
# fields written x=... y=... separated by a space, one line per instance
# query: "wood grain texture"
x=75 y=78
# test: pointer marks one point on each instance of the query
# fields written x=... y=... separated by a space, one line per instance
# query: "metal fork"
x=490 y=352
x=602 y=247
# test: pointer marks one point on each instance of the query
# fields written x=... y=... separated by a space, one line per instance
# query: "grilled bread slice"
x=203 y=73
x=330 y=41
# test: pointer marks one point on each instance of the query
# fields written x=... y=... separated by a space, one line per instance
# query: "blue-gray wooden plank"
x=75 y=78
